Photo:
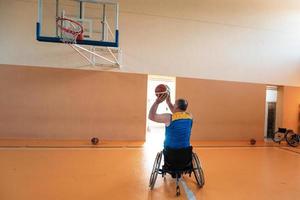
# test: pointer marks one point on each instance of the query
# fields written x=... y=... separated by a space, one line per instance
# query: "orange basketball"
x=94 y=140
x=161 y=89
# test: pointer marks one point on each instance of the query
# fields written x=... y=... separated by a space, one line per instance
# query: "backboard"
x=99 y=19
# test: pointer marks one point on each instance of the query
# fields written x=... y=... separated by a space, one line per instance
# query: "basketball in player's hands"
x=161 y=89
x=162 y=92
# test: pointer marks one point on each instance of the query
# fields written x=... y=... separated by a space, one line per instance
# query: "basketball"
x=252 y=141
x=161 y=89
x=94 y=140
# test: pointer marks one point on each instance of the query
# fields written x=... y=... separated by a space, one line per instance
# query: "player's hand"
x=168 y=99
x=168 y=91
x=161 y=98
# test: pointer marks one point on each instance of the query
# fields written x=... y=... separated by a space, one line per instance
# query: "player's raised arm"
x=162 y=94
x=171 y=106
x=160 y=118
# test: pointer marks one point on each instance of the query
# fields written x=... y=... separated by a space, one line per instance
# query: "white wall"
x=250 y=40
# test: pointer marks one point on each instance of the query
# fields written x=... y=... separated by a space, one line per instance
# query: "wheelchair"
x=177 y=162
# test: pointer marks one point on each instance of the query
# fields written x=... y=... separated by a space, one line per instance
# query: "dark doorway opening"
x=271 y=110
x=271 y=119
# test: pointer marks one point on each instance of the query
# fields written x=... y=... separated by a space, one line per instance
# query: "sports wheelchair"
x=177 y=162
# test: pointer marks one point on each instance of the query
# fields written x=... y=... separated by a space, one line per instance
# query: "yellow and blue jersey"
x=178 y=133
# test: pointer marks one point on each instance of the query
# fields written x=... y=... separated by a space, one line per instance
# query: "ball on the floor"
x=94 y=140
x=252 y=141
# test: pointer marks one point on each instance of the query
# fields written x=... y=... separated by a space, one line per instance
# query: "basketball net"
x=70 y=30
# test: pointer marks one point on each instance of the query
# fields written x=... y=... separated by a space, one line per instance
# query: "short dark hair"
x=182 y=104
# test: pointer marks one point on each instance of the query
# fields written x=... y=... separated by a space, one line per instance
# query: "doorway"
x=271 y=104
x=155 y=132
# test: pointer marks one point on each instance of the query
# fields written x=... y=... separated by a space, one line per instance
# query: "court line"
x=189 y=194
x=62 y=147
x=120 y=146
x=290 y=150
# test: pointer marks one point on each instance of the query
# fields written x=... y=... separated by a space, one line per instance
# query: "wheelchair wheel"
x=155 y=170
x=198 y=171
x=278 y=136
x=292 y=139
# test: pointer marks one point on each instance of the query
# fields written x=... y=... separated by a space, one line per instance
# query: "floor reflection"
x=154 y=143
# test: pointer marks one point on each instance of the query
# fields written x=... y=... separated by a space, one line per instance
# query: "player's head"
x=181 y=104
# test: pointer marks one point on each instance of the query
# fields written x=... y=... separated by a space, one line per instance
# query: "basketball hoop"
x=70 y=30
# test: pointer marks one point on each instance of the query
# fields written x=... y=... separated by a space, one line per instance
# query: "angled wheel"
x=278 y=137
x=155 y=170
x=198 y=171
x=292 y=139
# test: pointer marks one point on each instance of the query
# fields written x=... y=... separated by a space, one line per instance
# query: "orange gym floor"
x=59 y=170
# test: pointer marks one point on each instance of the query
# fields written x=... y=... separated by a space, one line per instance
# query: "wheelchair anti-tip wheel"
x=198 y=171
x=155 y=170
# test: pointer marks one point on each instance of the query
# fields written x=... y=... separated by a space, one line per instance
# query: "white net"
x=70 y=31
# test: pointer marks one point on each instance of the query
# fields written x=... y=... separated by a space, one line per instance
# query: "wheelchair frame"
x=196 y=169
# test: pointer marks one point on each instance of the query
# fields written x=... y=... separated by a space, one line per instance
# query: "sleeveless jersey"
x=178 y=133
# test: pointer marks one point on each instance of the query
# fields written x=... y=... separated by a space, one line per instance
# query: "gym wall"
x=291 y=103
x=49 y=103
x=52 y=103
x=247 y=41
x=224 y=110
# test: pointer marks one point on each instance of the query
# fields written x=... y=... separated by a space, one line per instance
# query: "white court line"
x=189 y=194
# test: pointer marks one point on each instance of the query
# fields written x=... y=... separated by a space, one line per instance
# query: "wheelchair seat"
x=177 y=160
